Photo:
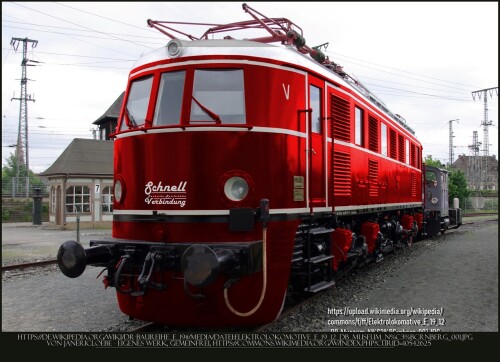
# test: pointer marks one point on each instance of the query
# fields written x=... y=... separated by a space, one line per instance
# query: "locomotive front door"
x=316 y=148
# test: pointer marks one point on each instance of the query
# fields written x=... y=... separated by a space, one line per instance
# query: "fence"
x=22 y=187
x=480 y=203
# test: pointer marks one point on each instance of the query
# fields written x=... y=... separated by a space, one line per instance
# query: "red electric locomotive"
x=245 y=172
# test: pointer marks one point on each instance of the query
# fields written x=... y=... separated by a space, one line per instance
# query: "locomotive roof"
x=282 y=53
x=436 y=169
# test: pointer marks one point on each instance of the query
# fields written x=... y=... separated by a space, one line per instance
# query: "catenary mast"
x=22 y=149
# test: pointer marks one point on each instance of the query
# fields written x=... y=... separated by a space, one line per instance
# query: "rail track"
x=34 y=264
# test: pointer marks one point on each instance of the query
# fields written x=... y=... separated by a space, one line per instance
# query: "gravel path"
x=47 y=301
x=25 y=242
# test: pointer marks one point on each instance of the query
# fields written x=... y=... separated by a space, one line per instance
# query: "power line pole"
x=451 y=140
x=474 y=171
x=22 y=149
x=485 y=123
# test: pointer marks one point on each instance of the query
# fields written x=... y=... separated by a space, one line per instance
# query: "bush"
x=5 y=215
x=21 y=210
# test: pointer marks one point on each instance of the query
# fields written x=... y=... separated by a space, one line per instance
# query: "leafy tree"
x=458 y=187
x=430 y=162
x=10 y=170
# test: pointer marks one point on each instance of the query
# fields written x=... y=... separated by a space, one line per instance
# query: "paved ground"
x=28 y=299
x=24 y=242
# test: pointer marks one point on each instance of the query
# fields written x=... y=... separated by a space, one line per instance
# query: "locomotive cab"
x=440 y=216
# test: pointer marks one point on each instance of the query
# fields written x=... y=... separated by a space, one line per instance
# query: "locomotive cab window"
x=169 y=102
x=358 y=126
x=218 y=96
x=431 y=179
x=383 y=128
x=137 y=103
x=315 y=106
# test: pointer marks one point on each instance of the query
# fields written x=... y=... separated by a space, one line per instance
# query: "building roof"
x=84 y=157
x=463 y=161
x=113 y=112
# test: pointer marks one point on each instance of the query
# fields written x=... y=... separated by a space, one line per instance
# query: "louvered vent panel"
x=372 y=134
x=340 y=114
x=413 y=184
x=341 y=174
x=373 y=178
x=401 y=148
x=393 y=141
x=413 y=155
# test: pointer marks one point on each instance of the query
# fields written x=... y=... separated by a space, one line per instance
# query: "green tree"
x=458 y=187
x=10 y=170
x=430 y=162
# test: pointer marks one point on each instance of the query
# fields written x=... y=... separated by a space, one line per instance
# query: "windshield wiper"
x=131 y=119
x=212 y=115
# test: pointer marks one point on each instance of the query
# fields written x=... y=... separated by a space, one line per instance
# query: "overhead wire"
x=83 y=26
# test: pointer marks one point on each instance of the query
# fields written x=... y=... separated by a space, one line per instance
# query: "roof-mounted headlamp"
x=174 y=48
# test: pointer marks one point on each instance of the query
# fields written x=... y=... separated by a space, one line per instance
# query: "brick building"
x=474 y=170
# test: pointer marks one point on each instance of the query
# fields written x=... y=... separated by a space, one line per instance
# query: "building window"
x=384 y=139
x=107 y=199
x=218 y=96
x=315 y=106
x=78 y=199
x=53 y=200
x=169 y=103
x=358 y=126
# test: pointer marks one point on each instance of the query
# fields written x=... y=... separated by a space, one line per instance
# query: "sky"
x=424 y=60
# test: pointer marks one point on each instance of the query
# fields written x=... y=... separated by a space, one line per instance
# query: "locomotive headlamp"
x=236 y=188
x=174 y=48
x=118 y=190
